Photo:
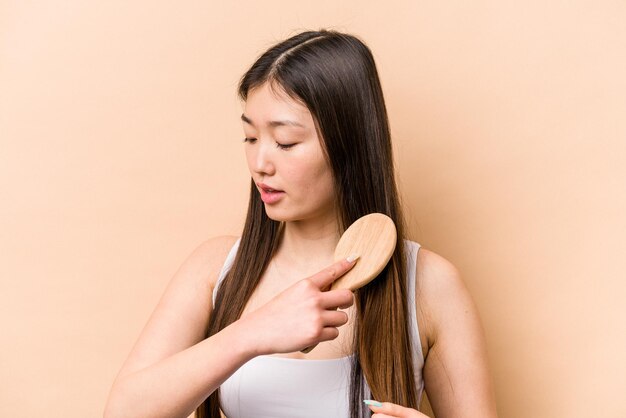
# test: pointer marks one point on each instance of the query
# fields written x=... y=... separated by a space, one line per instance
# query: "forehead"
x=272 y=107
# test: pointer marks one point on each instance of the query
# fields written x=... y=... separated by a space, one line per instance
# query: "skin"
x=165 y=374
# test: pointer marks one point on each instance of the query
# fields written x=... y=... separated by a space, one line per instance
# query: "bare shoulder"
x=436 y=274
x=196 y=277
x=209 y=257
x=440 y=292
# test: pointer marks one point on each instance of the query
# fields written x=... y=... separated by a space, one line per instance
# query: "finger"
x=331 y=273
x=340 y=298
x=347 y=305
x=334 y=318
x=383 y=416
x=392 y=409
x=328 y=333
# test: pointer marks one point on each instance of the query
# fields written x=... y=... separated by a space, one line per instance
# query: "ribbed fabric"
x=279 y=387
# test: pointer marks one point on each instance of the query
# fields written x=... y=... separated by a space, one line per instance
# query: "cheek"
x=312 y=178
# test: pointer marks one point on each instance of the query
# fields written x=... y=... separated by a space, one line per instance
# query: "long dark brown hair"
x=334 y=75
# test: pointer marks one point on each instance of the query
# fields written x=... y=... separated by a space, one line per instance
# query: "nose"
x=260 y=159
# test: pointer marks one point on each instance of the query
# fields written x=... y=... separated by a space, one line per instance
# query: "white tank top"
x=279 y=387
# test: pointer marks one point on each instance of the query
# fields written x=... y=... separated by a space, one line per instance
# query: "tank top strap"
x=412 y=249
x=230 y=258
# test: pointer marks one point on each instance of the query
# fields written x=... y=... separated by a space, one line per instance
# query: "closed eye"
x=278 y=144
x=284 y=146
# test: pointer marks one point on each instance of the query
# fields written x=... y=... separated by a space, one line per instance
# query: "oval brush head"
x=373 y=237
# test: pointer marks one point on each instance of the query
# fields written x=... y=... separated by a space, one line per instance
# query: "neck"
x=308 y=246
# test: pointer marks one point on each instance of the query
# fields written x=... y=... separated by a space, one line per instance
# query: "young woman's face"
x=284 y=154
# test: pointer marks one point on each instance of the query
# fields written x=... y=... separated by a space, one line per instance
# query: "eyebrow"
x=274 y=123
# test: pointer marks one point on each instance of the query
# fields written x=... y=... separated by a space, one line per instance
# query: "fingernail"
x=353 y=258
x=372 y=403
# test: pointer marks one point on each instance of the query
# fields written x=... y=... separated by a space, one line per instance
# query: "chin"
x=279 y=217
x=278 y=214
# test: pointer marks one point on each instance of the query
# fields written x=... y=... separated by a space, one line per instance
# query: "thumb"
x=331 y=273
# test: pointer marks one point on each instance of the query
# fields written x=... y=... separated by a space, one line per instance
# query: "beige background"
x=120 y=152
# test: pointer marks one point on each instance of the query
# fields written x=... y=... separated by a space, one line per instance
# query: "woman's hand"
x=391 y=410
x=300 y=316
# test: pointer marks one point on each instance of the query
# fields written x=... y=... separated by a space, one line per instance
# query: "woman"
x=229 y=328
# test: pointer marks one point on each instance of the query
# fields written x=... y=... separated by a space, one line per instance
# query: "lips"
x=269 y=194
x=268 y=189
